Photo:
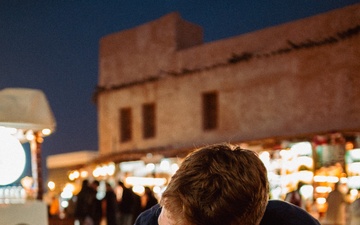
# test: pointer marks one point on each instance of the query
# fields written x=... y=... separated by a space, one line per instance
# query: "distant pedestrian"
x=70 y=210
x=126 y=205
x=83 y=204
x=294 y=197
x=148 y=199
x=110 y=205
x=54 y=209
x=335 y=214
x=354 y=211
x=136 y=208
x=96 y=204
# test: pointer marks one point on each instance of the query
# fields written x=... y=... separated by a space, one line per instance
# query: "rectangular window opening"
x=125 y=124
x=210 y=110
x=149 y=120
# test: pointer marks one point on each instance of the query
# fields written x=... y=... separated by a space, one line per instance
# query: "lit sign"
x=12 y=158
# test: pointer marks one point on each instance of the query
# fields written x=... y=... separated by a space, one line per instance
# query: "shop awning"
x=140 y=154
x=26 y=109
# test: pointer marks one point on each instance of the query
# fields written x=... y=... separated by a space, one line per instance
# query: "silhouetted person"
x=110 y=205
x=96 y=206
x=83 y=206
x=148 y=199
x=136 y=207
x=54 y=209
x=335 y=213
x=126 y=205
x=294 y=197
x=354 y=211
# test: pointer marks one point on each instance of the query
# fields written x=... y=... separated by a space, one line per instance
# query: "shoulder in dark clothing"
x=277 y=212
x=149 y=217
x=282 y=213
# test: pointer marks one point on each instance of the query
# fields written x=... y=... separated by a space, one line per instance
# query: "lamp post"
x=36 y=162
x=27 y=110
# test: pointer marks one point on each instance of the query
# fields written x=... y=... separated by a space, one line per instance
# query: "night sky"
x=53 y=46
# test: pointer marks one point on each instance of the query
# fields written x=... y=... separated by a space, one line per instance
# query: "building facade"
x=163 y=91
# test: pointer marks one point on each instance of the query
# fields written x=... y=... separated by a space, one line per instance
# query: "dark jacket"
x=127 y=201
x=111 y=207
x=277 y=212
x=83 y=203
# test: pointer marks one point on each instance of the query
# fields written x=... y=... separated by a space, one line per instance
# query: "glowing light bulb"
x=12 y=158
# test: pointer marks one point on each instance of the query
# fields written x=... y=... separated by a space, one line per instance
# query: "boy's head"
x=216 y=185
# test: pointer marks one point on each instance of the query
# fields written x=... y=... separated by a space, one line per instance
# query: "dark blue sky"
x=53 y=46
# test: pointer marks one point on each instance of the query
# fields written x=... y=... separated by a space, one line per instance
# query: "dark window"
x=125 y=124
x=210 y=110
x=148 y=114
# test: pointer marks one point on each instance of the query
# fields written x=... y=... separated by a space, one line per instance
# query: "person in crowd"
x=222 y=185
x=83 y=204
x=125 y=205
x=294 y=197
x=70 y=210
x=148 y=200
x=354 y=211
x=136 y=209
x=336 y=207
x=110 y=205
x=54 y=209
x=95 y=203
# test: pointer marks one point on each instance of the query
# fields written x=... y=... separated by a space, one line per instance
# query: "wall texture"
x=296 y=79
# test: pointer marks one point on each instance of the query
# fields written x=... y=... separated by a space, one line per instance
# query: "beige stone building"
x=162 y=90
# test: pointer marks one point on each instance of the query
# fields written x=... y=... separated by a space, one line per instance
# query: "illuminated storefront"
x=67 y=171
x=317 y=161
x=308 y=160
x=287 y=166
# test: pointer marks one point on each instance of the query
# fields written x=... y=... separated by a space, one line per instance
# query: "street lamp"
x=27 y=112
x=12 y=158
